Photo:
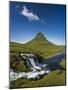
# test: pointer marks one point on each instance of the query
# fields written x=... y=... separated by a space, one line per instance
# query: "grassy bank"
x=53 y=79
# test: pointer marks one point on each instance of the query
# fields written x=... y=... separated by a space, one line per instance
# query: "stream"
x=38 y=69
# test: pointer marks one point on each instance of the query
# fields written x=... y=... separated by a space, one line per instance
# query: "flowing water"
x=37 y=68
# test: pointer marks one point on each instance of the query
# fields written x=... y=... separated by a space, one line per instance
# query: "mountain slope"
x=42 y=45
x=39 y=44
x=39 y=40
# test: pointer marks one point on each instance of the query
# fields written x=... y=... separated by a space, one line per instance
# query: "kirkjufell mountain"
x=39 y=39
x=38 y=44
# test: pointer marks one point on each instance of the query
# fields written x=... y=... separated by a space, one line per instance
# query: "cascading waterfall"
x=34 y=65
x=38 y=68
x=32 y=62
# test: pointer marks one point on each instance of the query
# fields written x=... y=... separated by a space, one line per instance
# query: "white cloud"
x=29 y=14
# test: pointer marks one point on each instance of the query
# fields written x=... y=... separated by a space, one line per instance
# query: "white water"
x=37 y=70
x=31 y=60
x=34 y=65
x=16 y=75
x=28 y=75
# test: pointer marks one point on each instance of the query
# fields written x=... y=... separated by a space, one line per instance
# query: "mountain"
x=39 y=39
x=39 y=44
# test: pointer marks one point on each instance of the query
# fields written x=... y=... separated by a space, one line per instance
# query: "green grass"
x=53 y=79
x=39 y=44
x=62 y=63
x=18 y=64
x=43 y=50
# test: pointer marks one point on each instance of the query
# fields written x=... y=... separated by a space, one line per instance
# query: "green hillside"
x=39 y=44
x=55 y=78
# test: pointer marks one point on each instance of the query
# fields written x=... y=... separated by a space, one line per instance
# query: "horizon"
x=27 y=19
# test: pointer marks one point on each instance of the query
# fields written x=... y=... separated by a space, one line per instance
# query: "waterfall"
x=16 y=75
x=37 y=69
x=31 y=61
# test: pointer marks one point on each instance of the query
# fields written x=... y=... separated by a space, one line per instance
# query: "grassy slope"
x=62 y=63
x=52 y=79
x=55 y=78
x=43 y=51
x=41 y=45
x=19 y=66
x=38 y=45
x=18 y=63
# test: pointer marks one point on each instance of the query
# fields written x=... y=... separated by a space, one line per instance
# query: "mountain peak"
x=39 y=39
x=40 y=34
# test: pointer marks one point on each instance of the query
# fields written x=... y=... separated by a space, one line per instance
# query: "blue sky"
x=27 y=19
